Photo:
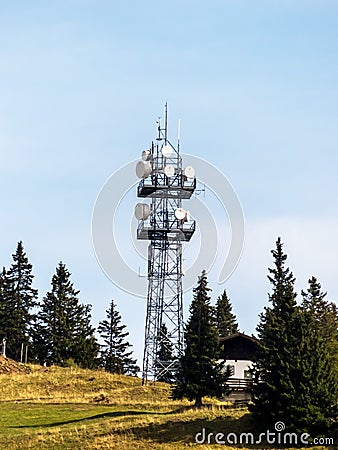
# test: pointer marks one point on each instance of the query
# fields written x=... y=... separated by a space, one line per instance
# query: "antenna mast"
x=166 y=225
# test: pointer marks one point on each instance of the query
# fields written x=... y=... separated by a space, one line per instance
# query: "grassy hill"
x=71 y=408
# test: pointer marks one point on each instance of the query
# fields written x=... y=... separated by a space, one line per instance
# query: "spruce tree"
x=63 y=332
x=199 y=374
x=18 y=299
x=318 y=377
x=295 y=364
x=115 y=356
x=226 y=322
x=86 y=348
x=164 y=355
x=278 y=354
x=323 y=312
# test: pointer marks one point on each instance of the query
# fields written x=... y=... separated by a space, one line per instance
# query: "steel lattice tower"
x=166 y=224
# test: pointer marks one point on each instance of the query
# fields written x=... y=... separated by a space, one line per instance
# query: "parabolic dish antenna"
x=189 y=172
x=142 y=211
x=166 y=151
x=169 y=171
x=143 y=169
x=181 y=214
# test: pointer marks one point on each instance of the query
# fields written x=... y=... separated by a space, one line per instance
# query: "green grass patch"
x=63 y=408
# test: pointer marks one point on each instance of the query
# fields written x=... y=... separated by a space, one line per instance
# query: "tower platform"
x=150 y=187
x=183 y=233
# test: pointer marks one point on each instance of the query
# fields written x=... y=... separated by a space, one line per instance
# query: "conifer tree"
x=226 y=322
x=318 y=375
x=200 y=374
x=278 y=346
x=63 y=331
x=86 y=348
x=297 y=382
x=115 y=356
x=164 y=355
x=324 y=313
x=18 y=299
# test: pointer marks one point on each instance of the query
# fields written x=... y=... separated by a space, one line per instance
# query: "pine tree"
x=278 y=355
x=324 y=313
x=18 y=301
x=200 y=374
x=86 y=348
x=115 y=356
x=318 y=378
x=165 y=355
x=226 y=322
x=63 y=331
x=297 y=380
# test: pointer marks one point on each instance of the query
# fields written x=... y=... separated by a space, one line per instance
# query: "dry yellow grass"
x=69 y=408
x=74 y=385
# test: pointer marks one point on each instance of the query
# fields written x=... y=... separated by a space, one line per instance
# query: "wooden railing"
x=239 y=383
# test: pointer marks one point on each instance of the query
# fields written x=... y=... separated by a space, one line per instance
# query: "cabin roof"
x=238 y=346
x=236 y=335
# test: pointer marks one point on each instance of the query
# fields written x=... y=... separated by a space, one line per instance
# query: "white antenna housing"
x=181 y=214
x=143 y=169
x=189 y=172
x=169 y=171
x=166 y=151
x=142 y=211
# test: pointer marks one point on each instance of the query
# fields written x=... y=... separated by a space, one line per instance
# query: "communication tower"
x=163 y=221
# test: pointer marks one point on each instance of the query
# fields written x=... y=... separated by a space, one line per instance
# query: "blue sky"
x=255 y=85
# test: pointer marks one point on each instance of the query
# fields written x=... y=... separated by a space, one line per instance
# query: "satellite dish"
x=169 y=171
x=143 y=169
x=181 y=214
x=146 y=155
x=189 y=172
x=142 y=211
x=166 y=151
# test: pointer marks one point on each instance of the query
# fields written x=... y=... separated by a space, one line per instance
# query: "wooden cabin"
x=238 y=350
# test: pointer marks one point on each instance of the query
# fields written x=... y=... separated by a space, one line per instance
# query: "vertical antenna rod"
x=166 y=123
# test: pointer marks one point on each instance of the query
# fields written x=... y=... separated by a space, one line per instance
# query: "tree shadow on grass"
x=104 y=415
x=94 y=417
x=185 y=431
x=235 y=433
